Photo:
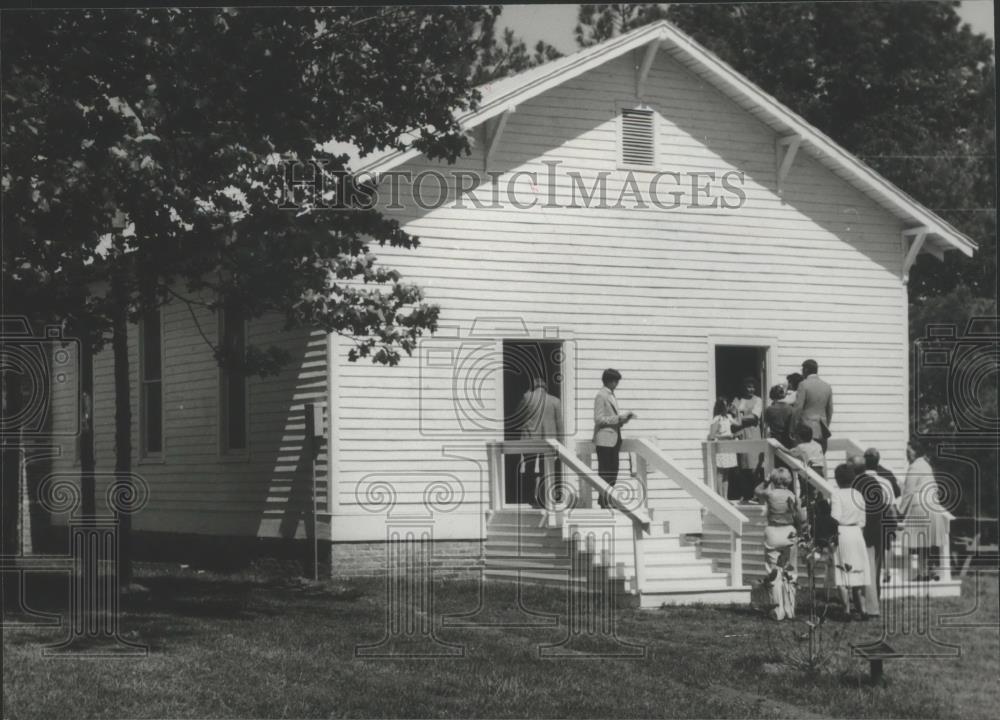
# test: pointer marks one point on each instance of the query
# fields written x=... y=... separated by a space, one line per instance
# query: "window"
x=151 y=388
x=637 y=138
x=233 y=382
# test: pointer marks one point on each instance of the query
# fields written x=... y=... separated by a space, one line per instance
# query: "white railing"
x=550 y=450
x=770 y=449
x=649 y=456
x=709 y=499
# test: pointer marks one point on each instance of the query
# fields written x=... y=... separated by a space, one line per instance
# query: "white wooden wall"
x=640 y=290
x=193 y=488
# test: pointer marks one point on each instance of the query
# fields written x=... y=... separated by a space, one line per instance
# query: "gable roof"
x=505 y=94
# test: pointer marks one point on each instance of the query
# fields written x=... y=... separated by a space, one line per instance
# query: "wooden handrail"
x=638 y=516
x=807 y=472
x=740 y=446
x=706 y=496
x=511 y=447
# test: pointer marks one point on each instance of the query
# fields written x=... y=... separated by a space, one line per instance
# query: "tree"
x=508 y=56
x=597 y=23
x=141 y=164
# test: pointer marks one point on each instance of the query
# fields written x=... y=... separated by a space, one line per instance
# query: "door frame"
x=568 y=385
x=770 y=345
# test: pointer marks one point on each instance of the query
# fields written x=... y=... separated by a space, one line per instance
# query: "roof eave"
x=663 y=32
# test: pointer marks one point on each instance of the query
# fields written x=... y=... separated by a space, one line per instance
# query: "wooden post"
x=586 y=493
x=495 y=466
x=313 y=433
x=875 y=670
x=736 y=563
x=708 y=461
x=640 y=563
x=945 y=569
x=641 y=471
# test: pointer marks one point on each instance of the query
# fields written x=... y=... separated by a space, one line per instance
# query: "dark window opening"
x=234 y=381
x=151 y=391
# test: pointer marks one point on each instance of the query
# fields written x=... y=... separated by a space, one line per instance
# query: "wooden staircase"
x=530 y=546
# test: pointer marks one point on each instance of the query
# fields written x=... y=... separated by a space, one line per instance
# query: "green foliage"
x=140 y=145
x=507 y=56
x=597 y=23
x=934 y=389
x=955 y=402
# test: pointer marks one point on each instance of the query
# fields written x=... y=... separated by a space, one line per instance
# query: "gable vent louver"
x=638 y=140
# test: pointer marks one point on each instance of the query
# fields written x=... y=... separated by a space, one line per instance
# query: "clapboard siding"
x=639 y=289
x=192 y=487
x=815 y=271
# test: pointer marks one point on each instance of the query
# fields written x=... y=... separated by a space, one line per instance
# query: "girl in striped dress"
x=722 y=429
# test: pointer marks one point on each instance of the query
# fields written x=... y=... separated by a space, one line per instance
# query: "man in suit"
x=888 y=518
x=608 y=421
x=814 y=403
x=540 y=417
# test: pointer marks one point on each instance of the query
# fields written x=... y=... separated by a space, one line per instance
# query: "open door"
x=733 y=364
x=524 y=360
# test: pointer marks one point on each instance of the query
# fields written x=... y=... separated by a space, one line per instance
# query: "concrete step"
x=656 y=567
x=549 y=578
x=526 y=548
x=702 y=581
x=533 y=564
x=695 y=594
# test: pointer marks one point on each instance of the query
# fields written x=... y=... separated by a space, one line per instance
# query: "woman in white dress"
x=925 y=522
x=852 y=572
x=749 y=411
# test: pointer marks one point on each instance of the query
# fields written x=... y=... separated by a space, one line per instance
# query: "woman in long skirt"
x=926 y=521
x=852 y=572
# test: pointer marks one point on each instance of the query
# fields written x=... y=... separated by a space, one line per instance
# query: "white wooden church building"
x=767 y=244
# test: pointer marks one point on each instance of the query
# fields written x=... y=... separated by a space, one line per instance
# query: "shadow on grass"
x=164 y=603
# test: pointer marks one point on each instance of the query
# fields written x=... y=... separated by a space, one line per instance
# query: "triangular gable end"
x=926 y=231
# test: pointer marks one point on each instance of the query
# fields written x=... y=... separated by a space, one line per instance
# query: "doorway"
x=523 y=361
x=735 y=363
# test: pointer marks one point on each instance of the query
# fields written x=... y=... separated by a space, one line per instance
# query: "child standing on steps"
x=722 y=429
x=784 y=518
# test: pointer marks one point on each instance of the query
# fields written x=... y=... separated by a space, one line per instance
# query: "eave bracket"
x=493 y=138
x=643 y=71
x=913 y=241
x=785 y=151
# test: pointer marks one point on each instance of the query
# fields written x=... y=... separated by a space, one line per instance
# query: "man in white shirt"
x=608 y=421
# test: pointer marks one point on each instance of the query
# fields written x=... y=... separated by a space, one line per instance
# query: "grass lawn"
x=242 y=646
